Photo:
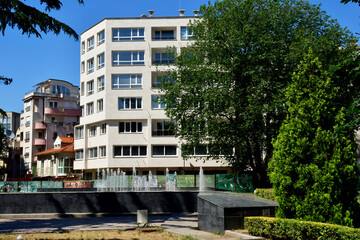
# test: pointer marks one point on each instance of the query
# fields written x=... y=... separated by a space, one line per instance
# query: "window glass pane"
x=121 y=127
x=139 y=103
x=124 y=56
x=135 y=151
x=127 y=127
x=170 y=150
x=117 y=151
x=139 y=126
x=127 y=103
x=121 y=103
x=141 y=31
x=126 y=150
x=158 y=150
x=133 y=126
x=142 y=150
x=124 y=79
x=133 y=103
x=125 y=32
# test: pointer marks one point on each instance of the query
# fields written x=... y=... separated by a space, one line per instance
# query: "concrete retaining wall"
x=98 y=202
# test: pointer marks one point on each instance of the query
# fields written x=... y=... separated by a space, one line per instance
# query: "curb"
x=241 y=235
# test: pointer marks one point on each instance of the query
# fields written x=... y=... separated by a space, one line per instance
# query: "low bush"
x=280 y=228
x=267 y=193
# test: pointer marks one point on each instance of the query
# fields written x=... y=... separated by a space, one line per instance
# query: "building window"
x=164 y=35
x=64 y=165
x=130 y=103
x=126 y=81
x=82 y=47
x=92 y=131
x=100 y=105
x=79 y=154
x=186 y=33
x=93 y=152
x=157 y=102
x=101 y=60
x=82 y=110
x=128 y=58
x=101 y=37
x=163 y=58
x=129 y=151
x=90 y=43
x=90 y=108
x=159 y=79
x=53 y=104
x=27 y=152
x=60 y=90
x=90 y=65
x=27 y=106
x=27 y=136
x=82 y=88
x=82 y=67
x=101 y=83
x=163 y=128
x=102 y=151
x=103 y=128
x=79 y=132
x=127 y=34
x=130 y=127
x=90 y=87
x=166 y=150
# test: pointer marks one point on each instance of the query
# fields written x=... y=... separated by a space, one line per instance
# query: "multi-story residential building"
x=51 y=110
x=123 y=125
x=11 y=122
x=10 y=160
x=57 y=161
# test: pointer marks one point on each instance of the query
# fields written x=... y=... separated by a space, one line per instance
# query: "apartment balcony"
x=39 y=141
x=40 y=125
x=163 y=133
x=62 y=111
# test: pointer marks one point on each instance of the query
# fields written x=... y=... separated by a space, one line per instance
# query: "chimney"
x=151 y=13
x=182 y=12
x=196 y=13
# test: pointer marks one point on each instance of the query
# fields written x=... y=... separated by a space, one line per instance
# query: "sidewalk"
x=181 y=224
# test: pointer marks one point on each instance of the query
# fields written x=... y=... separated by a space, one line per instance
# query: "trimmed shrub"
x=280 y=228
x=267 y=193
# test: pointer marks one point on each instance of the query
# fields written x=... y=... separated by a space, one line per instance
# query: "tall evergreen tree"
x=314 y=171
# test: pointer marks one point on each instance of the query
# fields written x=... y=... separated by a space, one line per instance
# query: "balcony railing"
x=163 y=38
x=63 y=111
x=157 y=133
x=40 y=125
x=163 y=61
x=39 y=141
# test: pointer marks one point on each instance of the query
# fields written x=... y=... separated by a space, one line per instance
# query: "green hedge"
x=267 y=193
x=280 y=228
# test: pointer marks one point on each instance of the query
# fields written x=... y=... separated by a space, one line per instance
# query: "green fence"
x=226 y=182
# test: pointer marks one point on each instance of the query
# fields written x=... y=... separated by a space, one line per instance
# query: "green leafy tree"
x=347 y=1
x=31 y=21
x=314 y=171
x=228 y=86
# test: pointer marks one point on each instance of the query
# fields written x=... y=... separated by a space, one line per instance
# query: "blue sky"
x=33 y=60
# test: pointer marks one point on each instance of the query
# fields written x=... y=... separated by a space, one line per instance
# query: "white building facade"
x=122 y=125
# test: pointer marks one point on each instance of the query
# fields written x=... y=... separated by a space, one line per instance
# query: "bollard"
x=142 y=218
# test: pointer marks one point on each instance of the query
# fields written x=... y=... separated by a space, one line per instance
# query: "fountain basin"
x=99 y=202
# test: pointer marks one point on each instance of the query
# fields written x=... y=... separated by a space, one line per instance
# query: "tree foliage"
x=315 y=175
x=228 y=85
x=354 y=1
x=31 y=21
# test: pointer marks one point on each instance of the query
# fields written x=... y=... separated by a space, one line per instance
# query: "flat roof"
x=137 y=18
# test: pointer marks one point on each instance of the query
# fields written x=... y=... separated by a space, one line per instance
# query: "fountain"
x=202 y=184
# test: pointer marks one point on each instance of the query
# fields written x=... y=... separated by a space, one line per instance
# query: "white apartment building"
x=122 y=125
x=50 y=110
